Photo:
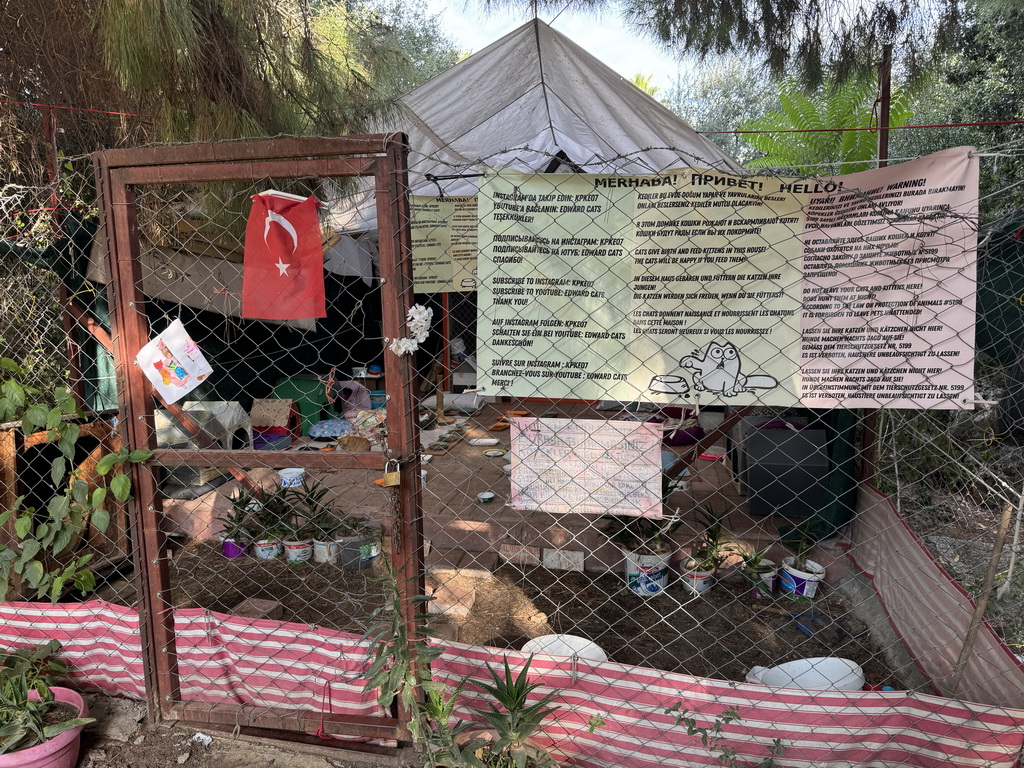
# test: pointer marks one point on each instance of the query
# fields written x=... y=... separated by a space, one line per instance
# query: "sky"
x=601 y=35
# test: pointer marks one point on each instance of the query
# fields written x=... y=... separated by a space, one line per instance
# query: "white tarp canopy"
x=525 y=102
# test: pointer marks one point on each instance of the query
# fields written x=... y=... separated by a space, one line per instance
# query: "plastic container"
x=292 y=477
x=800 y=583
x=325 y=551
x=59 y=752
x=378 y=398
x=298 y=551
x=647 y=575
x=820 y=673
x=232 y=548
x=360 y=552
x=266 y=549
x=566 y=645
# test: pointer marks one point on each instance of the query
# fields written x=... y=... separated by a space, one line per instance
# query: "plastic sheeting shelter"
x=533 y=101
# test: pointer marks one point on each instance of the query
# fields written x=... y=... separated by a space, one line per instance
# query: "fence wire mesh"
x=625 y=448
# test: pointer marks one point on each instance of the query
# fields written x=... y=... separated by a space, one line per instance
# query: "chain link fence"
x=649 y=411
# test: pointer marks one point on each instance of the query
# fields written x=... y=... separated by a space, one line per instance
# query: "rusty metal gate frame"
x=384 y=157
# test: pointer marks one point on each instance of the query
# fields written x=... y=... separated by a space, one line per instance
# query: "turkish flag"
x=283 y=268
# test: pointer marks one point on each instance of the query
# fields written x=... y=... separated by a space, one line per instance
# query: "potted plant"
x=40 y=724
x=237 y=530
x=359 y=542
x=757 y=569
x=298 y=540
x=711 y=548
x=270 y=525
x=647 y=547
x=800 y=575
x=509 y=743
x=325 y=527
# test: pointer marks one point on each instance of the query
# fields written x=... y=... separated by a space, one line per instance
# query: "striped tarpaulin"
x=271 y=663
x=824 y=728
x=100 y=640
x=929 y=610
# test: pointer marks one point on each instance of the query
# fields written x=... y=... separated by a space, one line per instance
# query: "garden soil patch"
x=721 y=634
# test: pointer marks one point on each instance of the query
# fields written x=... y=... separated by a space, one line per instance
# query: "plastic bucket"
x=292 y=477
x=698 y=582
x=566 y=645
x=378 y=398
x=647 y=575
x=298 y=551
x=359 y=552
x=266 y=549
x=799 y=583
x=821 y=673
x=325 y=551
x=765 y=583
x=59 y=752
x=232 y=548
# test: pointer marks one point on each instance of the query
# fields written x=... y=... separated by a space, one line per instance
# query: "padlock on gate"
x=392 y=477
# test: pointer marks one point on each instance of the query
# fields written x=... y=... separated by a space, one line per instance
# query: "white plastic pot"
x=697 y=582
x=565 y=645
x=325 y=551
x=267 y=549
x=298 y=551
x=292 y=477
x=821 y=673
x=647 y=575
x=801 y=583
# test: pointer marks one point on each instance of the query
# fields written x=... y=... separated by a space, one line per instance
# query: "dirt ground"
x=119 y=740
x=721 y=634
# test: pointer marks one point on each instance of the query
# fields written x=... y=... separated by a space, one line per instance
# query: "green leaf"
x=140 y=455
x=34 y=573
x=23 y=525
x=29 y=550
x=101 y=519
x=99 y=496
x=9 y=365
x=34 y=419
x=57 y=468
x=54 y=417
x=121 y=487
x=80 y=491
x=14 y=393
x=58 y=507
x=105 y=464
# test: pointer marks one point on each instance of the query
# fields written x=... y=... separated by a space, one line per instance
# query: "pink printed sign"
x=889 y=283
x=586 y=466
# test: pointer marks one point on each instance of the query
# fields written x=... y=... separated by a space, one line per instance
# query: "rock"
x=116 y=719
x=182 y=759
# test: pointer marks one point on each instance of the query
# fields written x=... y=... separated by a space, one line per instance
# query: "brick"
x=520 y=555
x=563 y=559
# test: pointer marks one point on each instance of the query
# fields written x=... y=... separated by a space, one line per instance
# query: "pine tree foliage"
x=204 y=69
x=808 y=40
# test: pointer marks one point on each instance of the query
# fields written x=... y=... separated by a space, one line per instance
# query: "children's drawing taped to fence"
x=851 y=290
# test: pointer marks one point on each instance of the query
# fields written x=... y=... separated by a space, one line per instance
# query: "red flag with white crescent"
x=283 y=268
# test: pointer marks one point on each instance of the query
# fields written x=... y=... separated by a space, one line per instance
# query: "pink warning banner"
x=889 y=283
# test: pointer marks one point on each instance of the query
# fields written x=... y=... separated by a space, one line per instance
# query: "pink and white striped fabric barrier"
x=928 y=609
x=271 y=664
x=100 y=640
x=817 y=729
x=221 y=658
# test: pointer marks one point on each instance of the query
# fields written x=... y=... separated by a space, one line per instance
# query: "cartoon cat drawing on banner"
x=718 y=372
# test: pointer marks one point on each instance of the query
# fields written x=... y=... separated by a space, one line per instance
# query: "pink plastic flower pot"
x=59 y=752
